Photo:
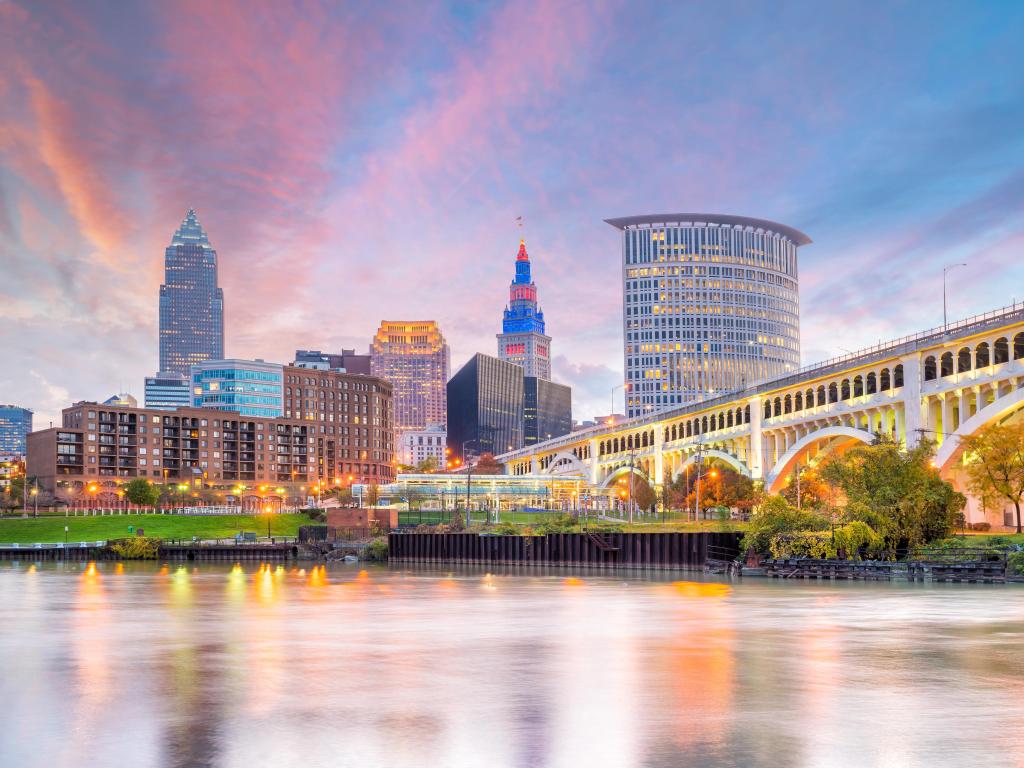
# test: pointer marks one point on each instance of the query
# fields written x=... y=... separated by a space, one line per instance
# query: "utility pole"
x=945 y=271
x=469 y=477
x=632 y=454
x=798 y=470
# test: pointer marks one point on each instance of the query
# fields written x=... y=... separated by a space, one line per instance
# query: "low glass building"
x=15 y=424
x=492 y=492
x=248 y=387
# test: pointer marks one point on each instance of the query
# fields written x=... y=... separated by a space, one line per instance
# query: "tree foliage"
x=814 y=491
x=899 y=494
x=427 y=465
x=140 y=491
x=775 y=516
x=643 y=495
x=995 y=464
x=488 y=465
x=720 y=485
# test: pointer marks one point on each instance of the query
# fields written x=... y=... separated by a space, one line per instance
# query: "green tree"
x=995 y=464
x=898 y=493
x=427 y=465
x=141 y=492
x=15 y=495
x=775 y=516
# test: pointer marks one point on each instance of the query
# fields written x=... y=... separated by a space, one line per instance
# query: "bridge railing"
x=900 y=345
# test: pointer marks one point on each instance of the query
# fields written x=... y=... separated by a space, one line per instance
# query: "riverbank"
x=49 y=530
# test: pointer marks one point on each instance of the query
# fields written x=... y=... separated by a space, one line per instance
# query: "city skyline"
x=897 y=166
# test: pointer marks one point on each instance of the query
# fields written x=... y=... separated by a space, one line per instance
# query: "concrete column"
x=947 y=416
x=912 y=406
x=593 y=463
x=659 y=459
x=756 y=457
x=898 y=423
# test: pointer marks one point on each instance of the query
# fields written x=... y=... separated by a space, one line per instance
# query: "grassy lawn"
x=979 y=538
x=51 y=529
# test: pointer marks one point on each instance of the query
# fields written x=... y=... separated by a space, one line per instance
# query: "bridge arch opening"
x=1000 y=410
x=814 y=446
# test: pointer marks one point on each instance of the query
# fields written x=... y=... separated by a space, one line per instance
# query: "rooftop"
x=721 y=219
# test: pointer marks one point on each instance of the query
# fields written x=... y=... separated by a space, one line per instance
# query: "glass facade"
x=485 y=406
x=15 y=424
x=191 y=304
x=248 y=387
x=166 y=391
x=710 y=304
x=547 y=410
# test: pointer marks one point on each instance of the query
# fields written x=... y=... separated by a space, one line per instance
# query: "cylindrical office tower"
x=710 y=303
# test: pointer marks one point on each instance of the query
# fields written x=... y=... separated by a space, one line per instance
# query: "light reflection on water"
x=256 y=665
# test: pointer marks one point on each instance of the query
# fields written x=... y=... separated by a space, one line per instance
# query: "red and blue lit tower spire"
x=522 y=340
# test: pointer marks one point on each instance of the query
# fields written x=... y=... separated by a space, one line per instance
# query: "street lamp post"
x=945 y=271
x=469 y=477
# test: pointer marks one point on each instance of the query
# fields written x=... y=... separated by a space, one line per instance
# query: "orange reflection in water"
x=317 y=576
x=92 y=652
x=701 y=589
x=572 y=581
x=699 y=664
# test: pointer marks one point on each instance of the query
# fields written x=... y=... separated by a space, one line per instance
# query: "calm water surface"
x=220 y=666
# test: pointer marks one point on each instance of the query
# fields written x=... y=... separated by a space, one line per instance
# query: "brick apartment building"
x=337 y=429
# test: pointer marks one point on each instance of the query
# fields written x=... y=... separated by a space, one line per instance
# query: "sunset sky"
x=369 y=162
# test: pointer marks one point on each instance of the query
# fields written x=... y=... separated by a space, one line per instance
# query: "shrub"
x=776 y=517
x=138 y=548
x=981 y=526
x=558 y=524
x=507 y=529
x=377 y=549
x=1015 y=563
x=317 y=515
x=857 y=539
x=605 y=528
x=815 y=544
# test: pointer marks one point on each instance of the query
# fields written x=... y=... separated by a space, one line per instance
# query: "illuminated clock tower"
x=522 y=340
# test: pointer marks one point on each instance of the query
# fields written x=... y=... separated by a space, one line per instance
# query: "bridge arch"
x=836 y=436
x=713 y=453
x=949 y=452
x=565 y=463
x=618 y=472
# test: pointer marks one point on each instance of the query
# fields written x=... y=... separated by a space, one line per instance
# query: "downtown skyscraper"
x=413 y=356
x=711 y=304
x=191 y=303
x=522 y=340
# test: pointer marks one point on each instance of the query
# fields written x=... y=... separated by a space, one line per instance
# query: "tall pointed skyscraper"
x=522 y=340
x=191 y=304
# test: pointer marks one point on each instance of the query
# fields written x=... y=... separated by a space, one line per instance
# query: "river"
x=142 y=665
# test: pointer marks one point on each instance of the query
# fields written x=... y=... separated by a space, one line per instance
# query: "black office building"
x=485 y=407
x=547 y=410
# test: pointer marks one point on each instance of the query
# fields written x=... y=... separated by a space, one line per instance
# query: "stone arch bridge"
x=940 y=384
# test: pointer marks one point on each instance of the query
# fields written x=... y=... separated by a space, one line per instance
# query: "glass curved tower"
x=711 y=304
